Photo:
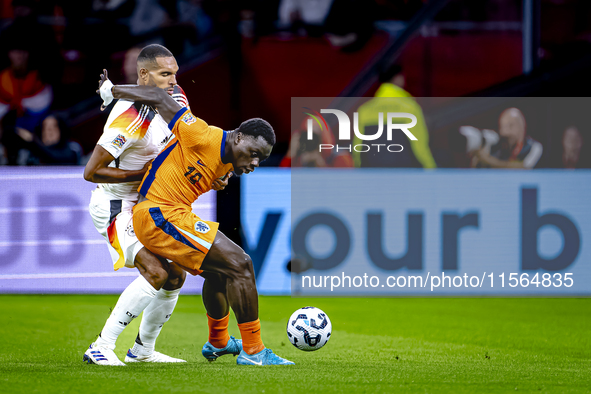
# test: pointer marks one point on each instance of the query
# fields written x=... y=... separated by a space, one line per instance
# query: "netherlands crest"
x=201 y=227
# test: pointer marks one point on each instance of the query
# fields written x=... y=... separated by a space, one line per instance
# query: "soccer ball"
x=309 y=328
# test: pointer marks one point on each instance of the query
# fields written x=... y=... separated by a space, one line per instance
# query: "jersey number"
x=196 y=177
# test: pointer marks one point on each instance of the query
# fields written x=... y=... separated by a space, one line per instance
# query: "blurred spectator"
x=94 y=31
x=414 y=153
x=473 y=140
x=26 y=32
x=190 y=11
x=226 y=17
x=347 y=24
x=572 y=142
x=12 y=144
x=22 y=90
x=54 y=145
x=130 y=65
x=157 y=19
x=306 y=153
x=3 y=158
x=24 y=98
x=148 y=16
x=515 y=148
x=304 y=12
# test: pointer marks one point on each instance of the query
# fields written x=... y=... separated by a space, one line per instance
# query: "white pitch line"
x=64 y=242
x=62 y=209
x=48 y=177
x=68 y=275
x=65 y=209
x=203 y=206
x=59 y=209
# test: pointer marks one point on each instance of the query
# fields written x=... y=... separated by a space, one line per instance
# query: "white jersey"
x=134 y=134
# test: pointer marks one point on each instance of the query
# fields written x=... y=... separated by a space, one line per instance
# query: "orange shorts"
x=174 y=232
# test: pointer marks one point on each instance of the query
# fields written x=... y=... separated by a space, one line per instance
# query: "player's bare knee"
x=155 y=275
x=248 y=265
x=152 y=268
x=244 y=268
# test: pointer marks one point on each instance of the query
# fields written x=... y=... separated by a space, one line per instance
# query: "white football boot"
x=154 y=357
x=101 y=355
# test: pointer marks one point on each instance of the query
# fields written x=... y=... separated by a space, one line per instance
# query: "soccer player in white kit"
x=133 y=136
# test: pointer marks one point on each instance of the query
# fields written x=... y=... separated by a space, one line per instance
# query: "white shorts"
x=113 y=220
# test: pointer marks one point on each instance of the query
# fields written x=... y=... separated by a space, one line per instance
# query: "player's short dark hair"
x=151 y=52
x=258 y=127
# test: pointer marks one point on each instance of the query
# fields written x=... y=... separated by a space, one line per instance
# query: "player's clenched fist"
x=221 y=183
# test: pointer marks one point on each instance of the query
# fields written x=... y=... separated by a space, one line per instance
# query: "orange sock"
x=251 y=336
x=218 y=331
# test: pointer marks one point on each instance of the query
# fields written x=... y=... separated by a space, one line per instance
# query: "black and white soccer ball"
x=309 y=328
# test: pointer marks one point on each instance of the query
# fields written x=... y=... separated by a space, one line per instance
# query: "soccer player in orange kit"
x=165 y=224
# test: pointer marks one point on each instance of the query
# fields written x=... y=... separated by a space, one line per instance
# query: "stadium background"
x=248 y=59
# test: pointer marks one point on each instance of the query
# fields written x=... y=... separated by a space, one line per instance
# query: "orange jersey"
x=189 y=164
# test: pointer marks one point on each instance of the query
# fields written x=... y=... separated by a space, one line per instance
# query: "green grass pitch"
x=426 y=345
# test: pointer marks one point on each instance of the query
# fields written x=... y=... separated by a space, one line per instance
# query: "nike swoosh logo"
x=254 y=362
x=254 y=332
x=201 y=163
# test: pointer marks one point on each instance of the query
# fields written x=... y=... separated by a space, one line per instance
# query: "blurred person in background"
x=414 y=153
x=346 y=24
x=226 y=16
x=53 y=146
x=130 y=65
x=306 y=153
x=148 y=16
x=515 y=148
x=191 y=12
x=349 y=24
x=25 y=98
x=30 y=61
x=30 y=28
x=572 y=143
x=89 y=25
x=304 y=14
x=162 y=21
x=3 y=159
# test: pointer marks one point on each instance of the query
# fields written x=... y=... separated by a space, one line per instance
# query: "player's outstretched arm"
x=149 y=95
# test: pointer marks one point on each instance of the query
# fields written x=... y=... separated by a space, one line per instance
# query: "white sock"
x=134 y=299
x=155 y=315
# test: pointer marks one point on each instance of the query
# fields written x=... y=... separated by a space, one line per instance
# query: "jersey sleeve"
x=127 y=123
x=189 y=129
x=180 y=97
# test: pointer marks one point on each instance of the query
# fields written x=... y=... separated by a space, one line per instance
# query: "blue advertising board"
x=416 y=232
x=265 y=203
x=370 y=232
x=48 y=243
